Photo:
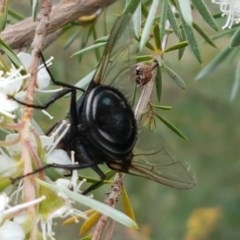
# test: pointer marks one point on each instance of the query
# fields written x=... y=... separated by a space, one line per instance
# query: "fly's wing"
x=154 y=160
x=115 y=64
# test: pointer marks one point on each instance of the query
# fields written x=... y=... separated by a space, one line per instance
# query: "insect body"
x=103 y=128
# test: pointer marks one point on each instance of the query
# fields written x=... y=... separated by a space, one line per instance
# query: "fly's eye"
x=110 y=120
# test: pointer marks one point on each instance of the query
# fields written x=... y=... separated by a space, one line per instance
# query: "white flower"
x=7 y=105
x=15 y=217
x=50 y=142
x=4 y=200
x=10 y=83
x=66 y=210
x=230 y=8
x=43 y=78
x=59 y=156
x=11 y=230
x=7 y=165
x=7 y=210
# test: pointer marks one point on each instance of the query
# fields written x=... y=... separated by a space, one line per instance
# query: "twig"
x=111 y=201
x=21 y=34
x=145 y=97
x=25 y=134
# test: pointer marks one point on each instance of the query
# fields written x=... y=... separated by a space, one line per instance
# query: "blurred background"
x=205 y=114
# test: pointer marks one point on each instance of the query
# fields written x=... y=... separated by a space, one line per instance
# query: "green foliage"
x=10 y=54
x=100 y=207
x=220 y=58
x=235 y=40
x=164 y=31
x=3 y=16
x=205 y=13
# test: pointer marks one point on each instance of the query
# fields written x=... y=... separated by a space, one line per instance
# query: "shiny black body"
x=103 y=129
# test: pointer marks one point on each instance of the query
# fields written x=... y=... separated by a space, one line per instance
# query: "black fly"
x=104 y=130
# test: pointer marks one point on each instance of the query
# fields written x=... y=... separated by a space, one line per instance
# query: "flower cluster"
x=13 y=207
x=13 y=217
x=12 y=81
x=231 y=9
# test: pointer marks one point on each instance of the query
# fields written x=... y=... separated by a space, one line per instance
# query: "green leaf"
x=182 y=38
x=191 y=40
x=72 y=38
x=137 y=20
x=226 y=32
x=144 y=58
x=4 y=64
x=235 y=86
x=109 y=174
x=10 y=53
x=203 y=34
x=163 y=18
x=90 y=222
x=205 y=13
x=52 y=202
x=177 y=46
x=173 y=21
x=235 y=40
x=94 y=204
x=3 y=16
x=186 y=12
x=144 y=10
x=134 y=95
x=161 y=107
x=102 y=39
x=158 y=81
x=171 y=126
x=131 y=6
x=4 y=183
x=221 y=56
x=15 y=15
x=149 y=22
x=150 y=46
x=34 y=4
x=157 y=37
x=127 y=206
x=84 y=82
x=175 y=77
x=96 y=40
x=94 y=46
x=88 y=237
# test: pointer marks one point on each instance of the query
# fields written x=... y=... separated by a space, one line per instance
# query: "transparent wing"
x=154 y=160
x=117 y=60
